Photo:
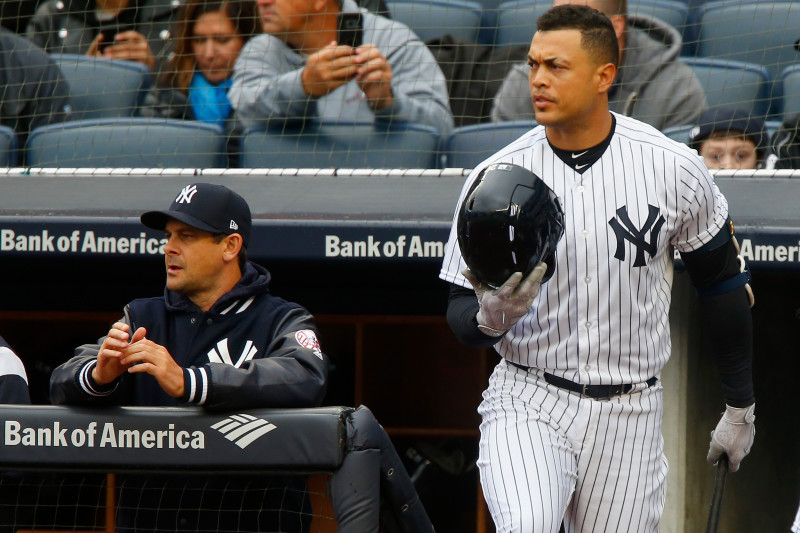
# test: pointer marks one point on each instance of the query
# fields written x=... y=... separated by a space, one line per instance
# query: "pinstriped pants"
x=547 y=455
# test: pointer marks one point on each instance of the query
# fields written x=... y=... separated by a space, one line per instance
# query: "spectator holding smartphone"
x=132 y=30
x=299 y=69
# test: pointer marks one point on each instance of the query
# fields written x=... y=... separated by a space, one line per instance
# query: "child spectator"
x=730 y=138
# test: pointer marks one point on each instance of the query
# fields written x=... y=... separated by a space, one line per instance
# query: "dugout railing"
x=367 y=488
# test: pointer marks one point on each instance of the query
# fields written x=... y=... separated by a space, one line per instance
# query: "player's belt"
x=596 y=392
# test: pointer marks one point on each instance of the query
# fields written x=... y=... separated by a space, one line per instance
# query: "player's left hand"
x=374 y=76
x=733 y=436
x=146 y=356
x=500 y=309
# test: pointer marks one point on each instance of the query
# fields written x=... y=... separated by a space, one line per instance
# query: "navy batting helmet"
x=509 y=222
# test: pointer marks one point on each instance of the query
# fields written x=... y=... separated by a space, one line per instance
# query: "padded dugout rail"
x=169 y=438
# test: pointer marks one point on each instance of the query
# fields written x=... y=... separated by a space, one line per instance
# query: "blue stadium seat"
x=433 y=18
x=128 y=142
x=8 y=147
x=761 y=32
x=516 y=19
x=787 y=87
x=328 y=144
x=103 y=88
x=673 y=12
x=729 y=83
x=679 y=133
x=490 y=10
x=467 y=146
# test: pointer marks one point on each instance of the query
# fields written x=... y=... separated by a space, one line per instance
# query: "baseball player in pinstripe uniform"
x=571 y=418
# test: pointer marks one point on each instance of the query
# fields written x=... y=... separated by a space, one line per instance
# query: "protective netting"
x=52 y=502
x=212 y=84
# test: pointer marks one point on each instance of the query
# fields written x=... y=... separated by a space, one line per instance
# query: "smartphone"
x=109 y=32
x=350 y=29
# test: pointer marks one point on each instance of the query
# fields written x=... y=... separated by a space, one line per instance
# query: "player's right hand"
x=501 y=308
x=108 y=367
x=733 y=436
x=328 y=69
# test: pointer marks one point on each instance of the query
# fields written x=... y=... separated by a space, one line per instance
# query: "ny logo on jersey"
x=220 y=354
x=636 y=236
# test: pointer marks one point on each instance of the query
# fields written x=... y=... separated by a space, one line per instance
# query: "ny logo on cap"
x=185 y=197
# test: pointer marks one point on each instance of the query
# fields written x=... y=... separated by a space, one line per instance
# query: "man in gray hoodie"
x=297 y=70
x=652 y=85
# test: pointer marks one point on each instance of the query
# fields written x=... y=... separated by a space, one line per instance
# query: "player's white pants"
x=547 y=454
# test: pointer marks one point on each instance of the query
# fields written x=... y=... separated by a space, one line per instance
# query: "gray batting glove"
x=501 y=308
x=733 y=436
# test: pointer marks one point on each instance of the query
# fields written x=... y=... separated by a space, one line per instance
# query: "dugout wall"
x=362 y=251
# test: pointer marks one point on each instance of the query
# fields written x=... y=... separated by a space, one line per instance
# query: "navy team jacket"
x=251 y=349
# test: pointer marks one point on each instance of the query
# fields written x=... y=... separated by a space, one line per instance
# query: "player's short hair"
x=598 y=37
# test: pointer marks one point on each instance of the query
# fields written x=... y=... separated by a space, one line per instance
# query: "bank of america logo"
x=243 y=429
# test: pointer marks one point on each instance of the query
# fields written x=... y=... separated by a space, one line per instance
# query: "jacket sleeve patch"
x=308 y=339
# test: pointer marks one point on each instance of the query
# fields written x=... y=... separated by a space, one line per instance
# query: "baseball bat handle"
x=716 y=499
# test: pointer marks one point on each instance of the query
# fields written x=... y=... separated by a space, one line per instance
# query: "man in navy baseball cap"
x=205 y=206
x=217 y=337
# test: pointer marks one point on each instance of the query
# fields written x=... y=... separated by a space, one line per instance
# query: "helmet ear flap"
x=509 y=222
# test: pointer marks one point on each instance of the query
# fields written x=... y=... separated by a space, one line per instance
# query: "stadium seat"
x=787 y=87
x=490 y=10
x=729 y=83
x=8 y=147
x=679 y=133
x=433 y=18
x=467 y=146
x=516 y=19
x=761 y=32
x=327 y=144
x=127 y=142
x=673 y=12
x=103 y=88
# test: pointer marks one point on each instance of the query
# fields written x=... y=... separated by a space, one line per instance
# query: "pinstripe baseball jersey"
x=603 y=317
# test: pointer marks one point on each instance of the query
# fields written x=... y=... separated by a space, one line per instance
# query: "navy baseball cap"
x=208 y=207
x=733 y=120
